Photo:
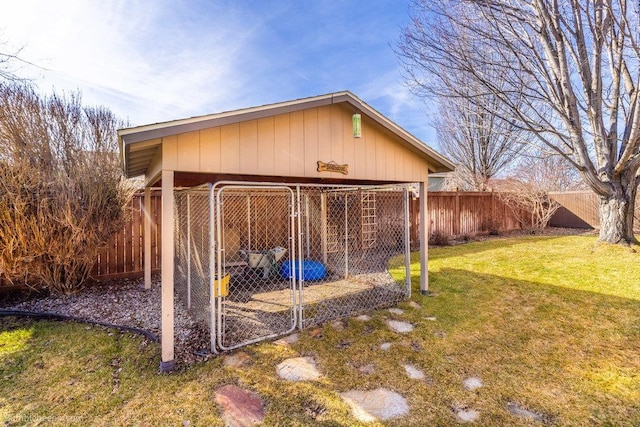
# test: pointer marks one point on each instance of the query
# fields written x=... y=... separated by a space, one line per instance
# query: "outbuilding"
x=280 y=216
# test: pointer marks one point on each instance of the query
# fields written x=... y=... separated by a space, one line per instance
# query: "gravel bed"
x=123 y=302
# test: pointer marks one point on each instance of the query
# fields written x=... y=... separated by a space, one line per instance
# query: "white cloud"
x=151 y=67
x=169 y=59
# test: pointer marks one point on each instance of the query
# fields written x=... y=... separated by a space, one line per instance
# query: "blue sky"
x=153 y=61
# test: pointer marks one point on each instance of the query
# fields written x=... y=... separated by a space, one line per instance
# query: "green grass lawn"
x=551 y=324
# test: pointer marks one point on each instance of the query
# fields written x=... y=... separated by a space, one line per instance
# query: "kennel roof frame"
x=282 y=142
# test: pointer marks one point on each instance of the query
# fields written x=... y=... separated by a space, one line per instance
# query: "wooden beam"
x=146 y=218
x=167 y=342
x=424 y=238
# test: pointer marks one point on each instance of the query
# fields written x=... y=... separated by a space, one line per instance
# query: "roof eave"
x=129 y=136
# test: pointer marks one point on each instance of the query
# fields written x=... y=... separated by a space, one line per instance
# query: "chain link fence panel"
x=288 y=256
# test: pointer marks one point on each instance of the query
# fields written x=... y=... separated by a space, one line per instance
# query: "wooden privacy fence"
x=580 y=209
x=124 y=254
x=455 y=213
x=450 y=213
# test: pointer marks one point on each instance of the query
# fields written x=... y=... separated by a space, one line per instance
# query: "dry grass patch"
x=549 y=324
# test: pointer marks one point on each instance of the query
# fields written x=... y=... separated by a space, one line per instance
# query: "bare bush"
x=530 y=205
x=62 y=192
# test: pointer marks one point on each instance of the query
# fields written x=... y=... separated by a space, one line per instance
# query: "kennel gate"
x=245 y=254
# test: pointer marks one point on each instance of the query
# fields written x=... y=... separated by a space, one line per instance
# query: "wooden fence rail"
x=450 y=213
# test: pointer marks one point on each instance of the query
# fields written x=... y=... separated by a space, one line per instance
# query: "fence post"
x=146 y=217
x=167 y=341
x=424 y=239
x=456 y=215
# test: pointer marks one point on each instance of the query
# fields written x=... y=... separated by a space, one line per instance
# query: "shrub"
x=62 y=192
x=438 y=238
x=529 y=203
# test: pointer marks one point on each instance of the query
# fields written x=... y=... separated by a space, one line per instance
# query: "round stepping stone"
x=414 y=373
x=415 y=305
x=288 y=340
x=363 y=318
x=298 y=369
x=375 y=405
x=468 y=415
x=239 y=407
x=385 y=346
x=397 y=311
x=472 y=383
x=399 y=327
x=237 y=360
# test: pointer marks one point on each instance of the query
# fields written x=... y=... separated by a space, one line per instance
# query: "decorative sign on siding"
x=333 y=167
x=356 y=120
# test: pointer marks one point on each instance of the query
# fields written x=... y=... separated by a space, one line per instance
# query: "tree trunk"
x=616 y=217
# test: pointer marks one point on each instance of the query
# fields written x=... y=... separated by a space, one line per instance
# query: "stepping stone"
x=430 y=318
x=472 y=383
x=338 y=325
x=239 y=407
x=385 y=346
x=399 y=327
x=316 y=333
x=367 y=369
x=375 y=405
x=288 y=340
x=468 y=415
x=519 y=411
x=415 y=305
x=414 y=373
x=397 y=311
x=237 y=360
x=344 y=344
x=363 y=318
x=298 y=369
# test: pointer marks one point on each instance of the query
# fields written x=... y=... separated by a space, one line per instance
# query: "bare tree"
x=62 y=192
x=471 y=129
x=576 y=64
x=549 y=172
x=11 y=61
x=479 y=142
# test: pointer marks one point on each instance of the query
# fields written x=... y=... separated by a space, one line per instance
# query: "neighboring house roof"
x=136 y=163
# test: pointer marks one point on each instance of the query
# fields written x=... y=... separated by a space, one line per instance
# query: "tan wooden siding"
x=291 y=145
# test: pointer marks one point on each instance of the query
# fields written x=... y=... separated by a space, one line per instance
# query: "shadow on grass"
x=440 y=252
x=571 y=354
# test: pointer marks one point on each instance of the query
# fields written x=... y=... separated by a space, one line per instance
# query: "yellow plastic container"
x=221 y=286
